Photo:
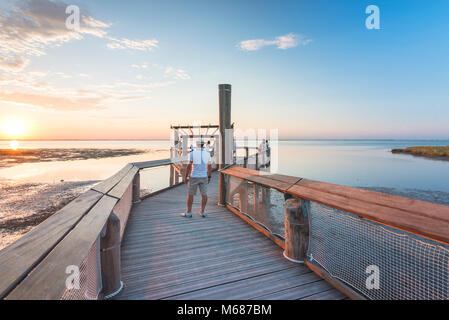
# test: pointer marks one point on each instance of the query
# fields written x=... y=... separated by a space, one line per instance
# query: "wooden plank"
x=197 y=289
x=152 y=263
x=276 y=181
x=199 y=272
x=419 y=217
x=421 y=225
x=167 y=256
x=251 y=285
x=423 y=208
x=340 y=286
x=211 y=261
x=152 y=164
x=299 y=292
x=109 y=183
x=331 y=294
x=119 y=190
x=17 y=260
x=265 y=232
x=47 y=280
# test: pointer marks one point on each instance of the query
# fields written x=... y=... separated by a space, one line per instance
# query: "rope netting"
x=89 y=285
x=355 y=250
x=378 y=261
x=262 y=205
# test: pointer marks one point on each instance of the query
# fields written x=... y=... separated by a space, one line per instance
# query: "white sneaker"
x=186 y=214
x=203 y=214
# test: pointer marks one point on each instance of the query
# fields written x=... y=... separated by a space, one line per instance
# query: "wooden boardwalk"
x=166 y=256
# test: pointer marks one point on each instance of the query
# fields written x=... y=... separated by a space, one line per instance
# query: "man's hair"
x=200 y=143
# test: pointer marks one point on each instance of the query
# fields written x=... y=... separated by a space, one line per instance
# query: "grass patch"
x=425 y=151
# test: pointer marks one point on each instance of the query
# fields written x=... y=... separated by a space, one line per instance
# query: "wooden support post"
x=110 y=258
x=172 y=170
x=136 y=188
x=217 y=152
x=296 y=229
x=172 y=175
x=185 y=141
x=245 y=158
x=257 y=161
x=264 y=158
x=224 y=103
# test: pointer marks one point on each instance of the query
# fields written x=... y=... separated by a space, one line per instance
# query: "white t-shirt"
x=200 y=159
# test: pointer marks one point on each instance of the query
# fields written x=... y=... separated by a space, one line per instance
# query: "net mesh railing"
x=90 y=283
x=410 y=267
x=349 y=248
x=263 y=205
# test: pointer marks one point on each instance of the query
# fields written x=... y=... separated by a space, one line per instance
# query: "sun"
x=14 y=145
x=14 y=128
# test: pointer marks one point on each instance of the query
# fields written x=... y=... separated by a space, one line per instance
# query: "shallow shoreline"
x=25 y=205
x=10 y=157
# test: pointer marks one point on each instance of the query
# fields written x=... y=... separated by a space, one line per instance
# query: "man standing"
x=198 y=175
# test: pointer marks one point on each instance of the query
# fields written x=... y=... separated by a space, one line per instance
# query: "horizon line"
x=280 y=139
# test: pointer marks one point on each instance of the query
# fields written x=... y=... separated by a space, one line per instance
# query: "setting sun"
x=14 y=128
x=14 y=145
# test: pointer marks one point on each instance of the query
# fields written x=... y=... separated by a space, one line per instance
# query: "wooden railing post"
x=172 y=170
x=257 y=161
x=245 y=158
x=296 y=229
x=110 y=258
x=224 y=103
x=136 y=188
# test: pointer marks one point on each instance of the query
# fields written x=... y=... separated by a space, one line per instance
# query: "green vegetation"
x=426 y=151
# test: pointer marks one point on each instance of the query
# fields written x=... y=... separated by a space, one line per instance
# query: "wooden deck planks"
x=166 y=256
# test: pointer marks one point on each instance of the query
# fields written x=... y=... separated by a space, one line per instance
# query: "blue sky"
x=321 y=73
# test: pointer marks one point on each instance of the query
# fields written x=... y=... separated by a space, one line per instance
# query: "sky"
x=311 y=69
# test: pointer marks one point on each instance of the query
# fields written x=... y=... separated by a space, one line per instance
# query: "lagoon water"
x=359 y=163
x=32 y=189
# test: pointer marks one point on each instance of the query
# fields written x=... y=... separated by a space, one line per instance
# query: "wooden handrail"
x=19 y=258
x=47 y=280
x=423 y=218
x=42 y=252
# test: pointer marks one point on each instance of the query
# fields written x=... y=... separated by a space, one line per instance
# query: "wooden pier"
x=266 y=236
x=166 y=256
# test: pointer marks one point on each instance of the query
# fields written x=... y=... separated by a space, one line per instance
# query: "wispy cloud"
x=174 y=73
x=140 y=66
x=52 y=102
x=28 y=27
x=287 y=41
x=31 y=88
x=31 y=25
x=142 y=45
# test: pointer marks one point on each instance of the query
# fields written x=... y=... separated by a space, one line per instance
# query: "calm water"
x=363 y=163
